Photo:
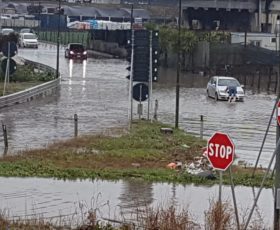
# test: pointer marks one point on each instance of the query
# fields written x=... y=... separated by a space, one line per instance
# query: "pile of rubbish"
x=200 y=166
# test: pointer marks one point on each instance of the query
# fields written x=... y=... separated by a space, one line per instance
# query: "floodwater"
x=97 y=90
x=70 y=200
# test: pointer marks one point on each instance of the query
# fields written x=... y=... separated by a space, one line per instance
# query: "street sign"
x=220 y=151
x=278 y=112
x=13 y=49
x=12 y=65
x=140 y=92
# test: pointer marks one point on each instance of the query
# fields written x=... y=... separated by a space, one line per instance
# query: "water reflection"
x=135 y=198
x=119 y=200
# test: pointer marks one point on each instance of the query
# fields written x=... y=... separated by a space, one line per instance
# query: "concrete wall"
x=19 y=23
x=106 y=1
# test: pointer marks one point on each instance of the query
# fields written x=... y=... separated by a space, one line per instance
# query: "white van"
x=28 y=40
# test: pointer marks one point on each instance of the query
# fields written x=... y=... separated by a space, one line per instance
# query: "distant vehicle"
x=27 y=30
x=75 y=50
x=28 y=40
x=218 y=85
x=7 y=31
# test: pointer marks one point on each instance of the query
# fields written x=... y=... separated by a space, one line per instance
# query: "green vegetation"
x=168 y=37
x=143 y=153
x=24 y=77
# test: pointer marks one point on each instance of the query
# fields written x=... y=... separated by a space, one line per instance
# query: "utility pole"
x=58 y=39
x=277 y=161
x=178 y=68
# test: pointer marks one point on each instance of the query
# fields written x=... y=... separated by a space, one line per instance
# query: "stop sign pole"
x=220 y=153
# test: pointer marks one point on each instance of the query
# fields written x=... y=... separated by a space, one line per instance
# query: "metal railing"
x=36 y=91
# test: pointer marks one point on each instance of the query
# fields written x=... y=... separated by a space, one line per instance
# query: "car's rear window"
x=77 y=47
x=228 y=82
x=30 y=36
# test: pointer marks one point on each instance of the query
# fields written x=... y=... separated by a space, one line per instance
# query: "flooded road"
x=97 y=91
x=33 y=197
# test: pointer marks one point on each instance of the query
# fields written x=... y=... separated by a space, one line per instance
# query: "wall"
x=19 y=23
x=265 y=39
x=106 y=1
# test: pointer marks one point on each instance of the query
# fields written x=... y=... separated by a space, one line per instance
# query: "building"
x=264 y=40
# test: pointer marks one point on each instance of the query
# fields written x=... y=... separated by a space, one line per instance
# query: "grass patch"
x=14 y=87
x=142 y=153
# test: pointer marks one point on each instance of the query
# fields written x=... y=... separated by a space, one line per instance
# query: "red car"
x=75 y=50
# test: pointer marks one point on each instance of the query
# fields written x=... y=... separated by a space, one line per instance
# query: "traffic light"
x=9 y=50
x=128 y=48
x=141 y=54
x=155 y=56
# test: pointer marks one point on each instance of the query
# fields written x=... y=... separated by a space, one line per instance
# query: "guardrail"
x=36 y=91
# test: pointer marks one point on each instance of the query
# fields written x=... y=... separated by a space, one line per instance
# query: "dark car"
x=75 y=50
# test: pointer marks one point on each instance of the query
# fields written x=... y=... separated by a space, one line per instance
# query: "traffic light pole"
x=7 y=72
x=131 y=67
x=178 y=68
x=277 y=161
x=150 y=74
x=58 y=40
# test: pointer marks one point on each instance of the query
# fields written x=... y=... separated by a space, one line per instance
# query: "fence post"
x=75 y=125
x=5 y=135
x=201 y=126
x=156 y=109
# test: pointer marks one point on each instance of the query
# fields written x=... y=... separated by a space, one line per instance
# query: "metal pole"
x=178 y=67
x=156 y=109
x=234 y=199
x=266 y=132
x=277 y=149
x=277 y=161
x=4 y=128
x=58 y=40
x=8 y=63
x=75 y=125
x=150 y=74
x=140 y=103
x=7 y=71
x=131 y=65
x=220 y=187
x=201 y=126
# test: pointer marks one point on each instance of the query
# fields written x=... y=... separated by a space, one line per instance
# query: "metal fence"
x=66 y=37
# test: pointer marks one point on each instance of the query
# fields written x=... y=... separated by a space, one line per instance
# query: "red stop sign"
x=220 y=151
x=278 y=112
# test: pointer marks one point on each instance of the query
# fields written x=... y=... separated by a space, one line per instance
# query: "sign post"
x=220 y=153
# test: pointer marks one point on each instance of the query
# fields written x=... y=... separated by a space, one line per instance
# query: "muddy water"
x=29 y=197
x=97 y=91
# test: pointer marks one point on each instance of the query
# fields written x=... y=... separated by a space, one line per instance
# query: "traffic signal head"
x=128 y=48
x=155 y=56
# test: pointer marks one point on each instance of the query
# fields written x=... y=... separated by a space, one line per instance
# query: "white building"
x=265 y=40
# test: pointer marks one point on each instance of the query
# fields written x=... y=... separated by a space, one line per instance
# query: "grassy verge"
x=14 y=87
x=24 y=77
x=142 y=153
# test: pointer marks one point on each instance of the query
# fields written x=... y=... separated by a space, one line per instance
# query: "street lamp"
x=178 y=68
x=58 y=40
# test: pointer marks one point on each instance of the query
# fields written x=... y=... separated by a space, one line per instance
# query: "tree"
x=165 y=36
x=189 y=41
